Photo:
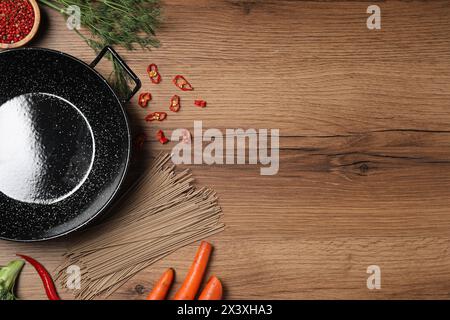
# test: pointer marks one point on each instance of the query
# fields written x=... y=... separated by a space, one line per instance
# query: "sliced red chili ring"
x=200 y=103
x=153 y=73
x=175 y=104
x=161 y=137
x=182 y=83
x=144 y=98
x=158 y=116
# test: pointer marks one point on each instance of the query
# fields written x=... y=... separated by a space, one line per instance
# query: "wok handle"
x=122 y=63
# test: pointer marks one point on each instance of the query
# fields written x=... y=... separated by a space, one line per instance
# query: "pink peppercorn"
x=16 y=20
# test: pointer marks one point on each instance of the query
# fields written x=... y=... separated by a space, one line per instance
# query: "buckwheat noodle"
x=166 y=213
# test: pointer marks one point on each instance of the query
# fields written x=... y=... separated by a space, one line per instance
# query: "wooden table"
x=364 y=119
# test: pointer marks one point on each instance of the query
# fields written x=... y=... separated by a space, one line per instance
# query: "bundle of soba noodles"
x=161 y=213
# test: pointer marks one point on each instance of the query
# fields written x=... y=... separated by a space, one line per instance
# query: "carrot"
x=161 y=288
x=194 y=277
x=213 y=290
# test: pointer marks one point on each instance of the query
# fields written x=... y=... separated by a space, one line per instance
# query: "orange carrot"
x=161 y=288
x=213 y=290
x=192 y=282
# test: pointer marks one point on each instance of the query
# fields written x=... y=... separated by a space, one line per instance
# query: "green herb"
x=8 y=276
x=124 y=23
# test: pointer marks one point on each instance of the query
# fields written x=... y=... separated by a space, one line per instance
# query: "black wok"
x=64 y=142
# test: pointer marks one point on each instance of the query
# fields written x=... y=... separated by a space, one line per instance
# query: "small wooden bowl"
x=24 y=41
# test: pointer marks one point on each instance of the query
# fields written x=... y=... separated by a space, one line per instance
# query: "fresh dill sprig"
x=125 y=23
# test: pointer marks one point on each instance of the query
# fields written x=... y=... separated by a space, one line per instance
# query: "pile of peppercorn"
x=16 y=20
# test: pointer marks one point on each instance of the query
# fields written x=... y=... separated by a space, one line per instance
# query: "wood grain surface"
x=364 y=119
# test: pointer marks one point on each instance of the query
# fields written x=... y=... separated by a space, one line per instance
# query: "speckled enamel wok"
x=64 y=142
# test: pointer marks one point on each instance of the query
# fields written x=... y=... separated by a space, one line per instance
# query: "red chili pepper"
x=144 y=98
x=45 y=277
x=200 y=103
x=153 y=73
x=175 y=104
x=161 y=137
x=159 y=116
x=182 y=83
